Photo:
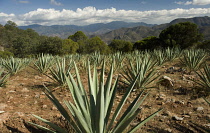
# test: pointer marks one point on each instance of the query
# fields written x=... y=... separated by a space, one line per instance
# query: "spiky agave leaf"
x=172 y=53
x=91 y=113
x=117 y=60
x=61 y=71
x=3 y=78
x=14 y=65
x=144 y=66
x=61 y=109
x=193 y=59
x=57 y=128
x=160 y=56
x=204 y=78
x=43 y=63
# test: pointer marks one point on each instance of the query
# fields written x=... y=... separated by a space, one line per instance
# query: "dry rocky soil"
x=182 y=103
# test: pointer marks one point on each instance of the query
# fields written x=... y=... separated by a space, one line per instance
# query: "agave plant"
x=160 y=56
x=75 y=57
x=132 y=56
x=172 y=53
x=92 y=112
x=117 y=61
x=14 y=65
x=96 y=58
x=43 y=63
x=3 y=78
x=204 y=80
x=144 y=67
x=62 y=70
x=193 y=59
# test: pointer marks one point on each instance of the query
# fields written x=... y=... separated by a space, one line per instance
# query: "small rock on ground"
x=177 y=118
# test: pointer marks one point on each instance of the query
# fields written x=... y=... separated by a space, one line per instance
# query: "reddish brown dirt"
x=24 y=96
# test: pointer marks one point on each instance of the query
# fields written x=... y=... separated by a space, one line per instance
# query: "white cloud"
x=90 y=15
x=143 y=2
x=6 y=17
x=184 y=3
x=189 y=3
x=179 y=2
x=201 y=2
x=23 y=1
x=194 y=2
x=54 y=2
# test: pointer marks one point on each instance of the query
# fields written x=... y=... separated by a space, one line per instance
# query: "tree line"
x=26 y=43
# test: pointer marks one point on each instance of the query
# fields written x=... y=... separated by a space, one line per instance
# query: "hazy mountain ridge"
x=64 y=31
x=137 y=33
x=200 y=21
x=130 y=34
x=119 y=29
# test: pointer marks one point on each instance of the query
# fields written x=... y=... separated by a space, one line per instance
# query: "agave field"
x=144 y=91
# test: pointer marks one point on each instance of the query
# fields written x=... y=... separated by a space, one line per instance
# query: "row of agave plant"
x=56 y=67
x=91 y=112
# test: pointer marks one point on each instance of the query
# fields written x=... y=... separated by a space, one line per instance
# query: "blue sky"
x=84 y=12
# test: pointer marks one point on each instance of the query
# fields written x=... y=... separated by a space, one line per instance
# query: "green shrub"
x=5 y=54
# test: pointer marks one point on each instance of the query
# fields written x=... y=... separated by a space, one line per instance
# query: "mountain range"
x=119 y=30
x=64 y=31
x=138 y=33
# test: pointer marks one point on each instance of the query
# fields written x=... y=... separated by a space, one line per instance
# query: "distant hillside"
x=200 y=21
x=118 y=29
x=64 y=31
x=137 y=33
x=131 y=34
